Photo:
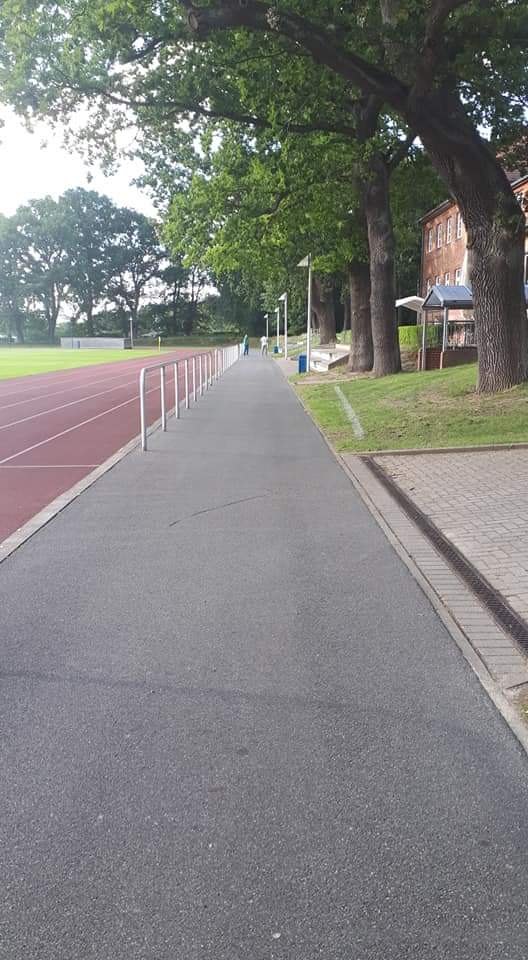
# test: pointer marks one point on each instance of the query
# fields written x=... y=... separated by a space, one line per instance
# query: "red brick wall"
x=454 y=358
x=438 y=359
x=448 y=257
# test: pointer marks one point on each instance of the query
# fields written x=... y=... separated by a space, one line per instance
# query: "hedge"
x=411 y=337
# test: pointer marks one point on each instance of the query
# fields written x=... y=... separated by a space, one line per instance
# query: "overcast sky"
x=29 y=171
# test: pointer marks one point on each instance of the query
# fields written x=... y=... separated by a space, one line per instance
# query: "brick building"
x=444 y=243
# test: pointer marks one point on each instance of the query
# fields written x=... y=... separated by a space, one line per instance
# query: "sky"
x=29 y=171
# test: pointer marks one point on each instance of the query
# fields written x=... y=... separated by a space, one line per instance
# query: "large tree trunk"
x=495 y=228
x=323 y=307
x=346 y=313
x=382 y=283
x=19 y=320
x=361 y=350
x=89 y=325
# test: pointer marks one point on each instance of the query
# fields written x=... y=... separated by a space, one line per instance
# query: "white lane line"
x=48 y=466
x=57 y=393
x=63 y=406
x=350 y=414
x=63 y=433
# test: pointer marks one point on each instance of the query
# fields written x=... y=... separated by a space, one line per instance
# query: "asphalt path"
x=233 y=728
x=55 y=428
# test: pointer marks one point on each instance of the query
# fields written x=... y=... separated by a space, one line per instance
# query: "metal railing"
x=200 y=371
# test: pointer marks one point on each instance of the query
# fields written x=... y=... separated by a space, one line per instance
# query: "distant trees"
x=83 y=258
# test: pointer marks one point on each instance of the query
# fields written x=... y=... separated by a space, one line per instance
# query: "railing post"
x=210 y=369
x=194 y=377
x=162 y=397
x=176 y=392
x=186 y=368
x=142 y=377
x=201 y=376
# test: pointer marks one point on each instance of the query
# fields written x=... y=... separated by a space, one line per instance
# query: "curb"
x=499 y=696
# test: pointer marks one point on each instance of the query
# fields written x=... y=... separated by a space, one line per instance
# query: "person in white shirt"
x=264 y=346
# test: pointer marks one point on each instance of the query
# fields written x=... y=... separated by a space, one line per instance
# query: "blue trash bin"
x=275 y=349
x=302 y=363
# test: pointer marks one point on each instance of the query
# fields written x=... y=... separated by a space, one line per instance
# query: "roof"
x=412 y=303
x=518 y=182
x=454 y=298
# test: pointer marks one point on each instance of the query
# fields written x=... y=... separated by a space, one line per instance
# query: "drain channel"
x=495 y=603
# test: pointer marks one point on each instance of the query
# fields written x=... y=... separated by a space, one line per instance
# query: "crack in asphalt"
x=221 y=506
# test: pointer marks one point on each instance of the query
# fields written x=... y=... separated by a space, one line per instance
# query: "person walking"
x=246 y=345
x=264 y=346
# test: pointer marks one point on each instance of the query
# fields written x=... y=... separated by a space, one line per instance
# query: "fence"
x=199 y=374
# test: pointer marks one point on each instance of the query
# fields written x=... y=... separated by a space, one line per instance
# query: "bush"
x=411 y=337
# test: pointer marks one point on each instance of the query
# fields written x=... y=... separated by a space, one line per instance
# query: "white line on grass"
x=350 y=414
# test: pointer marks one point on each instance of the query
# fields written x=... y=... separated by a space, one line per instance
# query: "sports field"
x=24 y=361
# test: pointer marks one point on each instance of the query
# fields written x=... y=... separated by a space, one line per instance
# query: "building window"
x=439 y=235
x=459 y=226
x=438 y=281
x=449 y=230
x=430 y=240
x=429 y=284
x=458 y=276
x=447 y=279
x=526 y=267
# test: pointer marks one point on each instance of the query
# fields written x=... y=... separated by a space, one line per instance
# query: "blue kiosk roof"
x=454 y=298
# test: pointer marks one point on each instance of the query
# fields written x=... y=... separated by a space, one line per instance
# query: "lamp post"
x=266 y=318
x=307 y=262
x=277 y=311
x=284 y=300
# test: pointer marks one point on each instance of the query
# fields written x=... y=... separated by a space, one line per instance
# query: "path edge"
x=504 y=706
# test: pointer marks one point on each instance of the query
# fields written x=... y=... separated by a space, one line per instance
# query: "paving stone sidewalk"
x=480 y=502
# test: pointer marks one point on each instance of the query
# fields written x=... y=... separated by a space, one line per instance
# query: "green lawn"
x=419 y=410
x=23 y=361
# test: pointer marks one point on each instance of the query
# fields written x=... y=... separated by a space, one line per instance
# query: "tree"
x=93 y=254
x=43 y=237
x=445 y=65
x=15 y=290
x=137 y=256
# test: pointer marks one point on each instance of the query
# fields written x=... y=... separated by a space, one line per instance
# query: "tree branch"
x=249 y=120
x=263 y=17
x=439 y=11
x=401 y=151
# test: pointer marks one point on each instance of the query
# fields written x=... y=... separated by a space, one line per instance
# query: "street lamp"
x=307 y=262
x=284 y=300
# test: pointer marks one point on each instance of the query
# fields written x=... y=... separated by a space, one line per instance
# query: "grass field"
x=419 y=410
x=24 y=361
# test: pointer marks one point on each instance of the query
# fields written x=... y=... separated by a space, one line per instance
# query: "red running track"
x=55 y=428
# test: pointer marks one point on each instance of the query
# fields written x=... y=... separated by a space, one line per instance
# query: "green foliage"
x=411 y=336
x=99 y=261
